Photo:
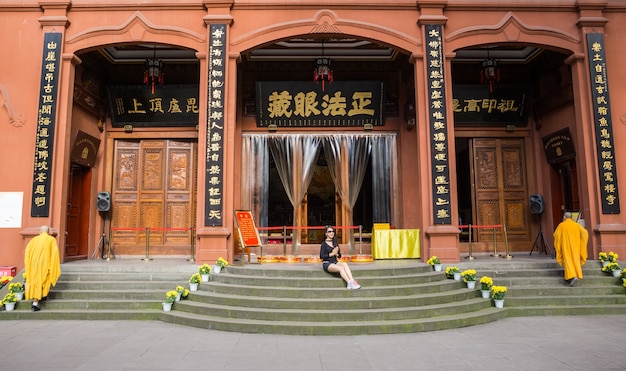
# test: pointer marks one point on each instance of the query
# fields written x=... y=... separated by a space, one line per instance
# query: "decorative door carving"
x=154 y=186
x=500 y=190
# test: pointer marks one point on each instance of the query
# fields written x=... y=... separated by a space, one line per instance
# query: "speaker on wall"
x=103 y=203
x=536 y=204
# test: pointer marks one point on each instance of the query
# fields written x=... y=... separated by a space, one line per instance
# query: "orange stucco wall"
x=89 y=24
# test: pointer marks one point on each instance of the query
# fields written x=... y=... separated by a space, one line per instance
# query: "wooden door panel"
x=154 y=187
x=500 y=188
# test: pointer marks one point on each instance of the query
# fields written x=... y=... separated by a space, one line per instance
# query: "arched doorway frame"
x=510 y=29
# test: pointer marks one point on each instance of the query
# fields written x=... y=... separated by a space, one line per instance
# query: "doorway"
x=153 y=196
x=78 y=207
x=494 y=191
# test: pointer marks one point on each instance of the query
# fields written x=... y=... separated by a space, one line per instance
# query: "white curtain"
x=255 y=180
x=351 y=152
x=295 y=156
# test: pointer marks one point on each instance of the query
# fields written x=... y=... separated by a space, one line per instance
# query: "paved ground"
x=535 y=343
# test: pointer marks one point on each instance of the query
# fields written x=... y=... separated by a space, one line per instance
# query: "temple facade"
x=142 y=128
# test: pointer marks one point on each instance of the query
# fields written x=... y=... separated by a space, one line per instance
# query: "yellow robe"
x=42 y=266
x=570 y=243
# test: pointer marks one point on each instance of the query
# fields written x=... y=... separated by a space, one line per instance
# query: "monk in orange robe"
x=570 y=243
x=42 y=266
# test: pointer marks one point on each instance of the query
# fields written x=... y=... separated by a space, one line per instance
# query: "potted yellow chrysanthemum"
x=453 y=272
x=9 y=301
x=435 y=262
x=486 y=283
x=18 y=289
x=205 y=271
x=170 y=298
x=194 y=281
x=220 y=264
x=497 y=294
x=469 y=277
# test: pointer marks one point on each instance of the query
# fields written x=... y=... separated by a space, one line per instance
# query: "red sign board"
x=247 y=229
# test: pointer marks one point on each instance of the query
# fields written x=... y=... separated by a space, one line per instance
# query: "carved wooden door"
x=500 y=189
x=153 y=196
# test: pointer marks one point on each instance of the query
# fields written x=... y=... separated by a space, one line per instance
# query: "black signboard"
x=476 y=105
x=214 y=176
x=438 y=122
x=46 y=123
x=559 y=146
x=605 y=143
x=303 y=103
x=170 y=105
x=85 y=149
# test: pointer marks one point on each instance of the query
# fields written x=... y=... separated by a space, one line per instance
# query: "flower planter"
x=457 y=276
x=178 y=295
x=499 y=303
x=9 y=306
x=20 y=295
x=167 y=307
x=485 y=293
x=437 y=267
x=471 y=284
x=617 y=273
x=193 y=286
x=205 y=277
x=605 y=263
x=217 y=269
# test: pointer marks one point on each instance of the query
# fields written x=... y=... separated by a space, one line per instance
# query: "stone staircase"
x=301 y=299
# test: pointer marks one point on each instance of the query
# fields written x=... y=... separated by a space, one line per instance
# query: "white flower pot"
x=217 y=269
x=193 y=286
x=205 y=277
x=437 y=267
x=605 y=263
x=499 y=303
x=485 y=293
x=167 y=307
x=471 y=284
x=617 y=273
x=457 y=276
x=178 y=296
x=9 y=306
x=20 y=295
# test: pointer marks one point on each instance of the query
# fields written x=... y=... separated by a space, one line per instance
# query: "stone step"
x=302 y=299
x=336 y=328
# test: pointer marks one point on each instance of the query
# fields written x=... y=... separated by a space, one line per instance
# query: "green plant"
x=498 y=292
x=612 y=257
x=486 y=283
x=222 y=262
x=623 y=274
x=180 y=289
x=204 y=269
x=9 y=298
x=603 y=256
x=469 y=275
x=170 y=296
x=609 y=268
x=16 y=287
x=195 y=278
x=433 y=260
x=450 y=271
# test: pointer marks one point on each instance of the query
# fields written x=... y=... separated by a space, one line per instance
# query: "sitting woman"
x=330 y=253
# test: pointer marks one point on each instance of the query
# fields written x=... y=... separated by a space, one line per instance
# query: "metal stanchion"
x=495 y=243
x=192 y=245
x=506 y=244
x=285 y=240
x=470 y=257
x=147 y=258
x=361 y=239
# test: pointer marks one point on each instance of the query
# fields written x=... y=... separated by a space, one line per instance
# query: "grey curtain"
x=295 y=156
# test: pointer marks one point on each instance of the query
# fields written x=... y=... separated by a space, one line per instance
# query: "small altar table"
x=396 y=244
